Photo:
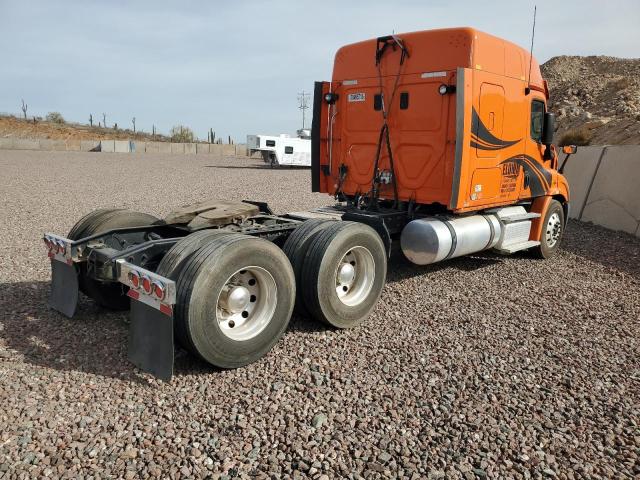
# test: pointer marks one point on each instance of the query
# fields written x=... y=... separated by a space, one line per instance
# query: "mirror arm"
x=561 y=169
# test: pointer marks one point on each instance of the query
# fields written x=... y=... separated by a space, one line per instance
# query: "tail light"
x=62 y=248
x=159 y=290
x=134 y=278
x=146 y=285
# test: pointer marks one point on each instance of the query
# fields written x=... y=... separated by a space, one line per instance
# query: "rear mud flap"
x=151 y=340
x=64 y=288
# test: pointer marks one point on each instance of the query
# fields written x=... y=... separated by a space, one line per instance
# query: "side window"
x=271 y=143
x=288 y=149
x=537 y=120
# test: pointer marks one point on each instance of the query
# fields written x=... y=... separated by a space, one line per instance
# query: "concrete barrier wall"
x=603 y=184
x=108 y=146
x=202 y=148
x=138 y=147
x=215 y=149
x=89 y=145
x=122 y=146
x=177 y=147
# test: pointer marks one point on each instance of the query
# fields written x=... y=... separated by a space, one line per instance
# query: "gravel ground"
x=482 y=367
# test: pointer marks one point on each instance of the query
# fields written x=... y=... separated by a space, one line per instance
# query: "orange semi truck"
x=439 y=141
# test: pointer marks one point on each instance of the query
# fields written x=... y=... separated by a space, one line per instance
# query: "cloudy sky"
x=237 y=67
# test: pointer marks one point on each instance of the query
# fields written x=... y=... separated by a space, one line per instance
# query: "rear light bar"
x=147 y=287
x=60 y=248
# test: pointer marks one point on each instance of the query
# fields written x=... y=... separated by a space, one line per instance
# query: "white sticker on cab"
x=355 y=97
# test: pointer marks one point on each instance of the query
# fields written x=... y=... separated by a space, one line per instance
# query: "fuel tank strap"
x=493 y=231
x=454 y=238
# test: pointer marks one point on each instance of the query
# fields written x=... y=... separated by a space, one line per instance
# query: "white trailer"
x=281 y=150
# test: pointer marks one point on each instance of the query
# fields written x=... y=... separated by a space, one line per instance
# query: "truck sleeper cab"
x=435 y=140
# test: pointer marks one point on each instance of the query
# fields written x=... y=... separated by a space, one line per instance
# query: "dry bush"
x=55 y=117
x=579 y=137
x=182 y=134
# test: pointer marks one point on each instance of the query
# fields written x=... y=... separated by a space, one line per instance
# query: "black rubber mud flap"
x=151 y=340
x=64 y=288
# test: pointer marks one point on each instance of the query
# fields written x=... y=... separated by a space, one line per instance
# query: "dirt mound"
x=596 y=99
x=13 y=127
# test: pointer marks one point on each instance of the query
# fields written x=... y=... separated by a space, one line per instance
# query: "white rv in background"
x=283 y=149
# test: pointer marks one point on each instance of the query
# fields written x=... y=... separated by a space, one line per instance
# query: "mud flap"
x=64 y=288
x=151 y=340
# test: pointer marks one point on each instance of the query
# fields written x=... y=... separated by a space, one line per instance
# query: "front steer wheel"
x=235 y=298
x=107 y=295
x=552 y=231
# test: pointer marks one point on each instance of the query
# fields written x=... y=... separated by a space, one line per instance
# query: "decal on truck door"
x=539 y=177
x=483 y=139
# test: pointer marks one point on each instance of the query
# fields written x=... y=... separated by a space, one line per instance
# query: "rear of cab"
x=460 y=119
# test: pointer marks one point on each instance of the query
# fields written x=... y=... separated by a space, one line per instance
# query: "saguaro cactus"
x=24 y=109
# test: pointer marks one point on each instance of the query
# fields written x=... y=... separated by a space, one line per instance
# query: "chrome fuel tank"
x=430 y=240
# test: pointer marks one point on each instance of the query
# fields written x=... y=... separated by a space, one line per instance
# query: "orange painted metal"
x=468 y=149
x=539 y=205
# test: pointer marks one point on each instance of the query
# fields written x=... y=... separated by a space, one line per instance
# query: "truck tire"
x=78 y=230
x=552 y=231
x=235 y=298
x=107 y=295
x=295 y=248
x=344 y=273
x=171 y=265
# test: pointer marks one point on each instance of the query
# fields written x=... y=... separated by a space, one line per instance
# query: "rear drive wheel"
x=171 y=265
x=235 y=298
x=295 y=248
x=552 y=231
x=107 y=295
x=344 y=272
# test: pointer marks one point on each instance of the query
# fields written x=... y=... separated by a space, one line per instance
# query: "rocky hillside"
x=596 y=99
x=13 y=127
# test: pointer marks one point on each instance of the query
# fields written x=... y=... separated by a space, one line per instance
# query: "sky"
x=237 y=67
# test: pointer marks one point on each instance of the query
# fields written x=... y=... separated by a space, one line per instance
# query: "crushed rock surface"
x=482 y=367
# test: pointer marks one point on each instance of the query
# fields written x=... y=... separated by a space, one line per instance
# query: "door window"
x=537 y=120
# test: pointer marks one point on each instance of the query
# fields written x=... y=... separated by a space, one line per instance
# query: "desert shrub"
x=182 y=134
x=55 y=117
x=580 y=137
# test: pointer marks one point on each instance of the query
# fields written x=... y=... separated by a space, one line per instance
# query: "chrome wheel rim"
x=354 y=276
x=246 y=303
x=554 y=229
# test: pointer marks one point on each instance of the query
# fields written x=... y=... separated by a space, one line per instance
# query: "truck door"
x=487 y=129
x=489 y=125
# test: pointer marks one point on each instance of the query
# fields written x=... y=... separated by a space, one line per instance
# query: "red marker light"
x=134 y=278
x=146 y=285
x=158 y=290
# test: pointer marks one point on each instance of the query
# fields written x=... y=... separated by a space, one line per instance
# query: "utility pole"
x=303 y=104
